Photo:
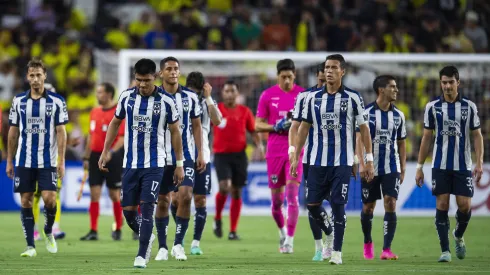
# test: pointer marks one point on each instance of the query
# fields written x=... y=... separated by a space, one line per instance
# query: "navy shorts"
x=26 y=178
x=167 y=179
x=202 y=185
x=458 y=183
x=141 y=184
x=330 y=183
x=389 y=184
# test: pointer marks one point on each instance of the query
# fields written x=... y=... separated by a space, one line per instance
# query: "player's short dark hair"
x=167 y=59
x=195 y=80
x=109 y=88
x=449 y=71
x=36 y=63
x=320 y=68
x=145 y=66
x=231 y=82
x=337 y=57
x=285 y=65
x=381 y=82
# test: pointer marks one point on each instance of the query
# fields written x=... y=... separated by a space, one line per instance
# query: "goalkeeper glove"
x=282 y=125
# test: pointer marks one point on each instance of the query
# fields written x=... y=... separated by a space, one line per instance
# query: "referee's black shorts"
x=232 y=166
x=111 y=178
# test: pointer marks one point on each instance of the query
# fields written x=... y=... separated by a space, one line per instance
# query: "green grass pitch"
x=415 y=242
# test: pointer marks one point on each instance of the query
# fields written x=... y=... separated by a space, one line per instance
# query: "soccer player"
x=37 y=132
x=331 y=112
x=100 y=117
x=230 y=159
x=148 y=111
x=387 y=129
x=273 y=116
x=321 y=251
x=202 y=185
x=453 y=118
x=189 y=109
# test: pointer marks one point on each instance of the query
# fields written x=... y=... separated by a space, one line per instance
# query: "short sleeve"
x=13 y=114
x=61 y=115
x=262 y=110
x=402 y=129
x=120 y=109
x=429 y=117
x=306 y=114
x=250 y=124
x=171 y=108
x=197 y=109
x=474 y=119
x=358 y=105
x=298 y=106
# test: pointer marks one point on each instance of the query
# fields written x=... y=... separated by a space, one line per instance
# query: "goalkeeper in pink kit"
x=274 y=116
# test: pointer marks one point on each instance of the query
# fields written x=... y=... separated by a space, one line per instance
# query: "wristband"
x=419 y=166
x=369 y=157
x=291 y=149
x=356 y=160
x=209 y=101
x=180 y=163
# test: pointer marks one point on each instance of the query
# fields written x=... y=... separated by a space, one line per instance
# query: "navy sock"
x=321 y=218
x=132 y=220
x=442 y=225
x=27 y=219
x=315 y=229
x=462 y=220
x=162 y=227
x=173 y=210
x=199 y=222
x=146 y=227
x=338 y=211
x=49 y=215
x=367 y=225
x=182 y=224
x=389 y=229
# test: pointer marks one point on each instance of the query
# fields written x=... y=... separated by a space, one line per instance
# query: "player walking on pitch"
x=273 y=116
x=100 y=117
x=202 y=185
x=387 y=127
x=332 y=112
x=321 y=251
x=148 y=111
x=452 y=118
x=189 y=109
x=37 y=132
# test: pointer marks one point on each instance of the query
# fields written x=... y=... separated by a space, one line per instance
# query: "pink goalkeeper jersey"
x=274 y=104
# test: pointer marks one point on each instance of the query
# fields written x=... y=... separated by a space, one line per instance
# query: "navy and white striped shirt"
x=37 y=120
x=297 y=116
x=386 y=128
x=333 y=118
x=188 y=108
x=146 y=120
x=206 y=128
x=452 y=123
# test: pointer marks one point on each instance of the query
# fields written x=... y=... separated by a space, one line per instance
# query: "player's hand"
x=355 y=169
x=178 y=175
x=103 y=161
x=282 y=125
x=74 y=141
x=61 y=170
x=419 y=177
x=86 y=164
x=369 y=171
x=200 y=164
x=108 y=156
x=206 y=90
x=363 y=172
x=261 y=152
x=402 y=176
x=478 y=172
x=293 y=169
x=10 y=170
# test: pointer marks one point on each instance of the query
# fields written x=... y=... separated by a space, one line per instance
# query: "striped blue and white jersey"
x=147 y=117
x=206 y=128
x=333 y=118
x=297 y=116
x=386 y=128
x=452 y=124
x=188 y=108
x=37 y=120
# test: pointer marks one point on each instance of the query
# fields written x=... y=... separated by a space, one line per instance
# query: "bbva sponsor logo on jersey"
x=35 y=120
x=141 y=118
x=185 y=104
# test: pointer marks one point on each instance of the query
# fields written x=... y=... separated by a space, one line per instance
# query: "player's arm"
x=298 y=107
x=13 y=138
x=111 y=135
x=86 y=153
x=197 y=131
x=61 y=140
x=257 y=140
x=402 y=148
x=478 y=141
x=361 y=120
x=359 y=151
x=176 y=139
x=213 y=112
x=261 y=124
x=427 y=137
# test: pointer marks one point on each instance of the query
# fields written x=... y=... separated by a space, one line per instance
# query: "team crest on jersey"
x=157 y=108
x=343 y=105
x=185 y=104
x=274 y=178
x=397 y=121
x=49 y=109
x=365 y=193
x=464 y=113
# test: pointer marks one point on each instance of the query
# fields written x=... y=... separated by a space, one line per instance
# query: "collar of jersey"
x=341 y=89
x=376 y=106
x=179 y=89
x=458 y=98
x=45 y=94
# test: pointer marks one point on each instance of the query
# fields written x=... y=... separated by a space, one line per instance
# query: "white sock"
x=282 y=232
x=289 y=240
x=318 y=245
x=195 y=243
x=56 y=226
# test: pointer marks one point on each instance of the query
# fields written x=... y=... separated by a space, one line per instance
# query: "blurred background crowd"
x=64 y=34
